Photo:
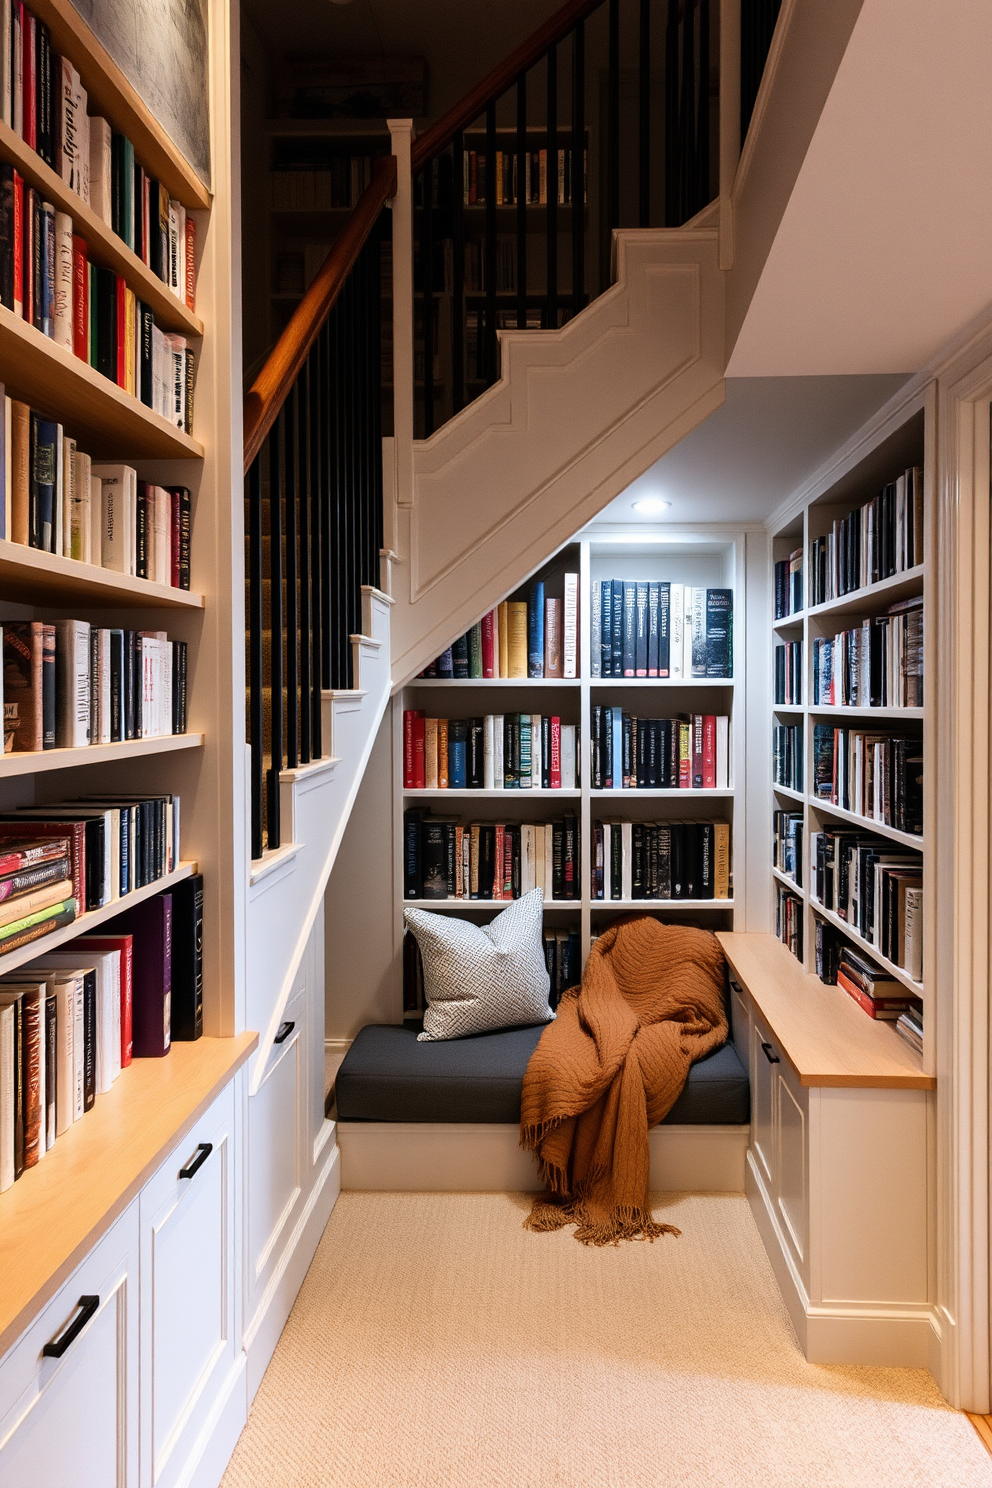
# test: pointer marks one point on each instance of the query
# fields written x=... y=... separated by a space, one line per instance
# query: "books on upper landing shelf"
x=876 y=887
x=69 y=685
x=789 y=673
x=877 y=664
x=874 y=542
x=57 y=500
x=787 y=755
x=43 y=100
x=874 y=775
x=531 y=177
x=787 y=844
x=789 y=585
x=531 y=638
x=648 y=628
x=448 y=859
x=687 y=753
x=501 y=751
x=660 y=860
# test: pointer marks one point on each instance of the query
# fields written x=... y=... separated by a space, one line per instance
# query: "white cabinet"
x=69 y=1416
x=188 y=1233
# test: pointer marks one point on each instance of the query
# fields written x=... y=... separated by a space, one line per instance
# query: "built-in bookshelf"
x=645 y=556
x=851 y=716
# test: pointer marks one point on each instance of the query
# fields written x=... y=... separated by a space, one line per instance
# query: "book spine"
x=535 y=630
x=570 y=627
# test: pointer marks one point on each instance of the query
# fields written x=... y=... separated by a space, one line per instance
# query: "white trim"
x=478 y=1157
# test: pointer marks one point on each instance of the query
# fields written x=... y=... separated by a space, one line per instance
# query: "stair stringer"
x=577 y=414
x=286 y=892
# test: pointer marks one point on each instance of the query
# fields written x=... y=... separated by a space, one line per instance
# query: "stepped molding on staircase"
x=576 y=415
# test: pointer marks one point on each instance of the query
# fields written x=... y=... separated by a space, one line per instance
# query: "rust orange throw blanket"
x=612 y=1065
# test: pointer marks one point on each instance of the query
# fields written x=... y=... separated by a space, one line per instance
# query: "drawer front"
x=187 y=1259
x=73 y=1420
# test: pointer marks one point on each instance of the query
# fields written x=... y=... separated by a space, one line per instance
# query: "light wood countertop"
x=825 y=1035
x=56 y=1212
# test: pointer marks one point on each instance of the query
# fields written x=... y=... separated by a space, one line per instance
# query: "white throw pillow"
x=478 y=978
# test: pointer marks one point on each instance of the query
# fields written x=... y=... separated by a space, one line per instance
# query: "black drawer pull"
x=87 y=1307
x=203 y=1151
x=285 y=1029
x=770 y=1055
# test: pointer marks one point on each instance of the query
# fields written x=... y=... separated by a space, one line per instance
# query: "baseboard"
x=277 y=1303
x=876 y=1335
x=446 y=1157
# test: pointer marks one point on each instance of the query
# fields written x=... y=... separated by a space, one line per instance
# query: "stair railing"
x=313 y=470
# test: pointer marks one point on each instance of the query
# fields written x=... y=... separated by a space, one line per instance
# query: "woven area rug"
x=437 y=1343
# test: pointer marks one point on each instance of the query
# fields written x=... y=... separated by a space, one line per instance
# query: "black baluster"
x=316 y=545
x=551 y=234
x=327 y=426
x=458 y=274
x=427 y=270
x=348 y=513
x=275 y=441
x=578 y=169
x=523 y=198
x=490 y=362
x=378 y=537
x=644 y=116
x=303 y=466
x=673 y=152
x=256 y=716
x=292 y=582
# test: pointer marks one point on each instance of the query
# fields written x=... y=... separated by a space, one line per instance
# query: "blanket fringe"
x=549 y=1214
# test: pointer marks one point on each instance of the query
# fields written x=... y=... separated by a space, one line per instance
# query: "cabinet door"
x=791 y=1185
x=762 y=1066
x=70 y=1416
x=187 y=1314
x=278 y=1131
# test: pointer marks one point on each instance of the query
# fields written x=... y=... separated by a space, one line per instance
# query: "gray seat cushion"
x=388 y=1076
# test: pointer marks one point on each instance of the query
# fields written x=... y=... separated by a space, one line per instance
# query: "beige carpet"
x=436 y=1343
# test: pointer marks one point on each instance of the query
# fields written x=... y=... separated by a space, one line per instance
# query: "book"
x=123 y=947
x=719 y=633
x=535 y=629
x=150 y=924
x=517 y=638
x=187 y=959
x=554 y=638
x=570 y=627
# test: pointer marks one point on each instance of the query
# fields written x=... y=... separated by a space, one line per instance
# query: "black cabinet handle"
x=770 y=1054
x=203 y=1151
x=285 y=1029
x=87 y=1307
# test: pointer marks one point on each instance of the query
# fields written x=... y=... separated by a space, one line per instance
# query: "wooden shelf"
x=825 y=1035
x=107 y=421
x=786 y=790
x=34 y=761
x=112 y=95
x=789 y=708
x=56 y=1212
x=788 y=621
x=652 y=792
x=661 y=682
x=495 y=794
x=105 y=247
x=841 y=710
x=908 y=839
x=866 y=946
x=787 y=882
x=887 y=591
x=669 y=904
x=84 y=923
x=494 y=682
x=34 y=577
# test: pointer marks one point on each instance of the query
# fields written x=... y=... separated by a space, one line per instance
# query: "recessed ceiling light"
x=651 y=506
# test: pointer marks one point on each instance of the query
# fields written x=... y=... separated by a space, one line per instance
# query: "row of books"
x=789 y=921
x=788 y=673
x=667 y=860
x=43 y=100
x=909 y=1025
x=877 y=664
x=536 y=637
x=691 y=752
x=529 y=178
x=112 y=846
x=562 y=956
x=57 y=500
x=877 y=887
x=876 y=992
x=875 y=775
x=72 y=684
x=653 y=628
x=71 y=1020
x=295 y=186
x=788 y=582
x=501 y=751
x=48 y=279
x=448 y=859
x=787 y=844
x=787 y=755
x=874 y=542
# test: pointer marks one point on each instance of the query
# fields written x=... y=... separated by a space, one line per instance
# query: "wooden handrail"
x=495 y=84
x=282 y=367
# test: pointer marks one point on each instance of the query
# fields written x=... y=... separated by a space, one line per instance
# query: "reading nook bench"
x=444 y=1115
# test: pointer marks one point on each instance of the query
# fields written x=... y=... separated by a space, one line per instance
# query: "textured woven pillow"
x=481 y=977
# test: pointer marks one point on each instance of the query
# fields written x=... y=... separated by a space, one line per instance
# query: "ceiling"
x=882 y=254
x=768 y=438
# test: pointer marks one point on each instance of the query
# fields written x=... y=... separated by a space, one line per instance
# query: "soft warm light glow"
x=651 y=506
